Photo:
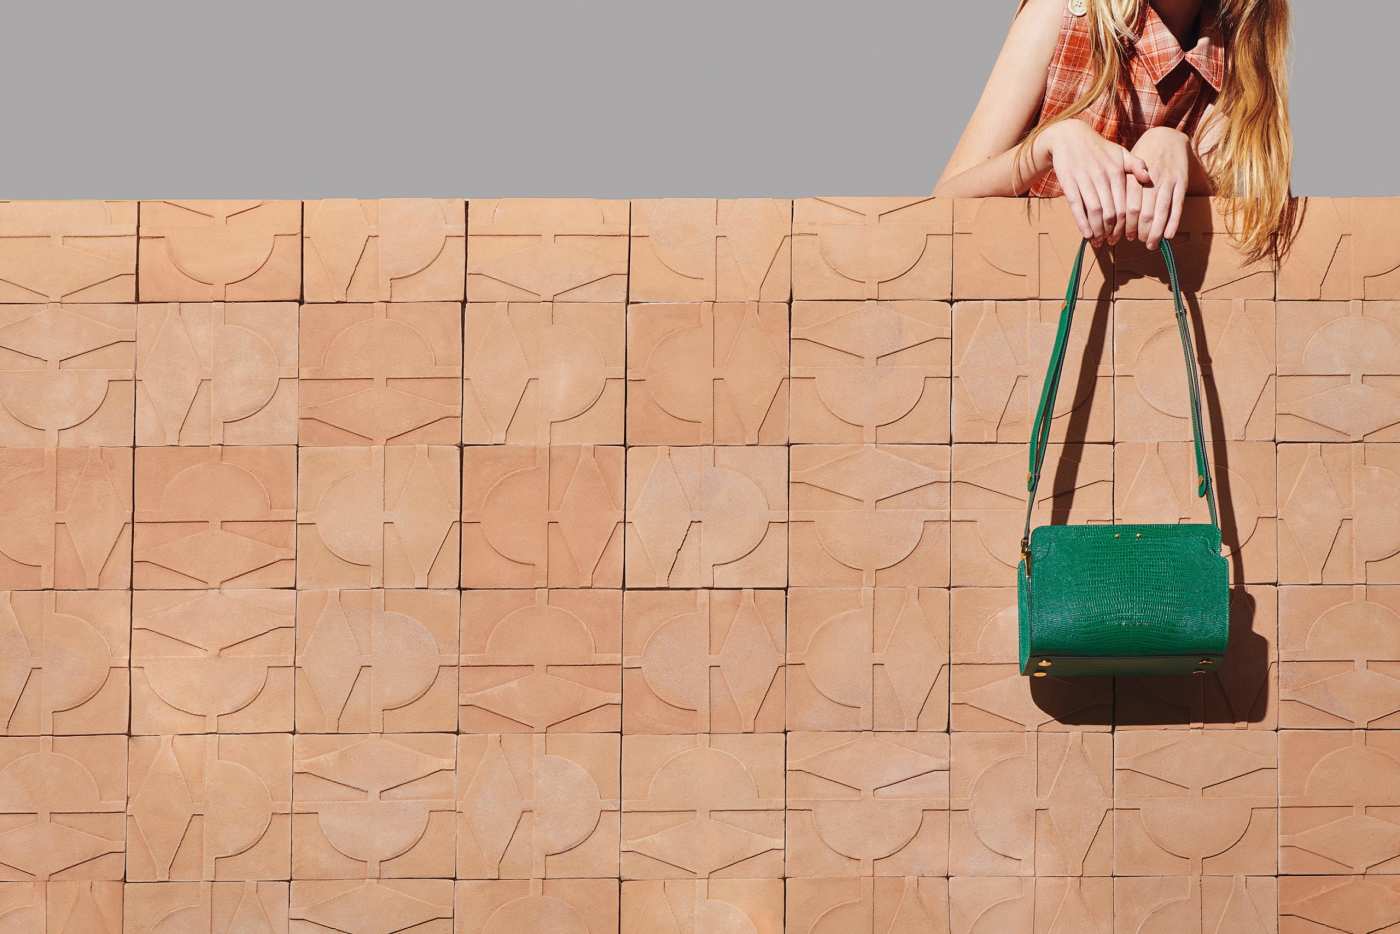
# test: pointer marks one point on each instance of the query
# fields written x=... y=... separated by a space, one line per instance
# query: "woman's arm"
x=983 y=163
x=988 y=162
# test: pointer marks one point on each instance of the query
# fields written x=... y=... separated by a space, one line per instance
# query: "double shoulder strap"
x=1040 y=429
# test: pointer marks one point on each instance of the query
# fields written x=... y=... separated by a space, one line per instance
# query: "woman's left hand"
x=1155 y=212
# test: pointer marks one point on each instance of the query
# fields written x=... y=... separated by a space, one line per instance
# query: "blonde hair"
x=1251 y=161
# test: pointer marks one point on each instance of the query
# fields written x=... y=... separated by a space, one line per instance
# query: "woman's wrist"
x=1043 y=149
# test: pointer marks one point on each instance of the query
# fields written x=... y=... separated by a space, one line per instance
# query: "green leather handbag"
x=1121 y=599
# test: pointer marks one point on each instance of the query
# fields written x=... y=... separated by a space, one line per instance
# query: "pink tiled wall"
x=582 y=567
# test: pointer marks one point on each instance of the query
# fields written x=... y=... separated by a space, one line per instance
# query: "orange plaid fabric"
x=1162 y=85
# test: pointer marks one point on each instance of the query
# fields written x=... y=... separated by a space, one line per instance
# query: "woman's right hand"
x=1093 y=172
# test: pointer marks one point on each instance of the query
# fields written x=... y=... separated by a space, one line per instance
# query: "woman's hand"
x=1095 y=174
x=1155 y=212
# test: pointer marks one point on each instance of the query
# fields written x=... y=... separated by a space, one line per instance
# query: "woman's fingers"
x=1093 y=207
x=1149 y=204
x=1076 y=208
x=1178 y=206
x=1137 y=168
x=1161 y=213
x=1101 y=214
x=1118 y=184
x=1134 y=207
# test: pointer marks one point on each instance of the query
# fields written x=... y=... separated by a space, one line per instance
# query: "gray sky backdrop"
x=313 y=98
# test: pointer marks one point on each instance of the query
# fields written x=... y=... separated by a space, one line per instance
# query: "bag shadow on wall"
x=1240 y=693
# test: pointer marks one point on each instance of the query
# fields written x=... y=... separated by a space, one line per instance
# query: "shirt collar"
x=1161 y=53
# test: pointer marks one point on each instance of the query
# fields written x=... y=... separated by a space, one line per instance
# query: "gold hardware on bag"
x=1026 y=555
x=1038 y=674
x=1207 y=661
x=1045 y=663
x=1198 y=672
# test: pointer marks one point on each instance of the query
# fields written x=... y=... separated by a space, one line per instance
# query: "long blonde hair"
x=1251 y=161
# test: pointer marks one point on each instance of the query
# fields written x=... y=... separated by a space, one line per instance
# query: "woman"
x=1127 y=106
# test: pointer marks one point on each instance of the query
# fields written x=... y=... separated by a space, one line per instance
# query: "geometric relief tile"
x=66 y=375
x=1210 y=261
x=1344 y=248
x=1340 y=657
x=989 y=502
x=865 y=906
x=380 y=373
x=63 y=800
x=375 y=906
x=206 y=908
x=209 y=808
x=707 y=516
x=545 y=373
x=1156 y=481
x=373 y=807
x=870 y=372
x=216 y=373
x=1026 y=804
x=1241 y=694
x=537 y=807
x=1196 y=803
x=1002 y=905
x=547 y=250
x=1195 y=905
x=375 y=661
x=63 y=661
x=61 y=907
x=1000 y=351
x=1339 y=802
x=1339 y=371
x=867 y=804
x=704 y=806
x=1349 y=904
x=212 y=661
x=681 y=906
x=218 y=251
x=866 y=515
x=69 y=251
x=566 y=906
x=703 y=661
x=707 y=373
x=542 y=516
x=881 y=248
x=703 y=249
x=541 y=661
x=1339 y=513
x=67 y=519
x=215 y=517
x=1234 y=343
x=381 y=516
x=868 y=659
x=390 y=250
x=989 y=693
x=1018 y=248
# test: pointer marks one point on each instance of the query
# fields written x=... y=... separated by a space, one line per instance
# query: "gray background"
x=312 y=98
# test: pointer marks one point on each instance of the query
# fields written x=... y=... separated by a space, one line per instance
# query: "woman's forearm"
x=997 y=177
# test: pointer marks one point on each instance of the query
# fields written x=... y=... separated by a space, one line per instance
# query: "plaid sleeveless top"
x=1162 y=83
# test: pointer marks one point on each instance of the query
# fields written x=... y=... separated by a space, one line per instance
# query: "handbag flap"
x=1079 y=604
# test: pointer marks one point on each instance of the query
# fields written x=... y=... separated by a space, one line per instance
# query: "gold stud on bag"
x=1121 y=599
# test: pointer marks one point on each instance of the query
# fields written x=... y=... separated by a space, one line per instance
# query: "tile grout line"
x=131 y=572
x=622 y=628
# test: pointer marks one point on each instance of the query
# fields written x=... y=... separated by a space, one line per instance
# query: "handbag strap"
x=1040 y=429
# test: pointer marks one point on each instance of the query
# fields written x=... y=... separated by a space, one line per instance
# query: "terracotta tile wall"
x=583 y=567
